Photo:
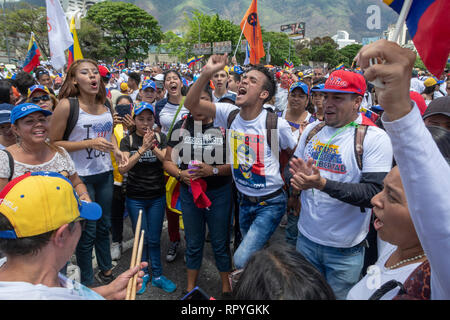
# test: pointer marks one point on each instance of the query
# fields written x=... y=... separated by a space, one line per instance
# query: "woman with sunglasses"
x=41 y=96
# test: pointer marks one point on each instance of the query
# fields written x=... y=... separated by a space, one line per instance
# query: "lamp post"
x=6 y=35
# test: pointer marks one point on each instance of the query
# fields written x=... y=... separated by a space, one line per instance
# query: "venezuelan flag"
x=341 y=66
x=74 y=49
x=428 y=25
x=288 y=64
x=191 y=62
x=120 y=63
x=33 y=54
x=199 y=58
x=369 y=114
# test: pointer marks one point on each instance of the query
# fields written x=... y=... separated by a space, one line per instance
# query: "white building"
x=342 y=38
x=82 y=6
x=403 y=35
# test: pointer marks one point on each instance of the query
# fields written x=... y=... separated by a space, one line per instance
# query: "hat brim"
x=337 y=91
x=90 y=211
x=142 y=110
x=435 y=113
x=38 y=89
x=25 y=113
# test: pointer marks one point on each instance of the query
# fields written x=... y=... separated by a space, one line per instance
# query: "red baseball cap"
x=419 y=100
x=103 y=71
x=345 y=82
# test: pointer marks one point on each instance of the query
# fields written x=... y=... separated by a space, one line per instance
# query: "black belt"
x=262 y=198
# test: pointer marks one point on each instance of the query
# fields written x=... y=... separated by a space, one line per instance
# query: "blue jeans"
x=152 y=223
x=341 y=267
x=257 y=221
x=292 y=229
x=96 y=234
x=218 y=220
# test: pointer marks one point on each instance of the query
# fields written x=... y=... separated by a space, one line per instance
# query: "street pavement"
x=208 y=280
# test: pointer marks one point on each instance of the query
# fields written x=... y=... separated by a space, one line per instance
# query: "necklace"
x=420 y=256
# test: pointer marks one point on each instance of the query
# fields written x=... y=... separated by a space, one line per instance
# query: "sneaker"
x=164 y=283
x=104 y=279
x=144 y=284
x=116 y=250
x=172 y=252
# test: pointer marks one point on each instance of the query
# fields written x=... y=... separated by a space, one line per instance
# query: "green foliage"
x=174 y=45
x=92 y=43
x=350 y=52
x=21 y=22
x=128 y=29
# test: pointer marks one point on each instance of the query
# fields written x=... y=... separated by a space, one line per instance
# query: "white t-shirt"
x=378 y=275
x=296 y=133
x=326 y=220
x=167 y=113
x=281 y=98
x=69 y=290
x=417 y=85
x=90 y=161
x=255 y=170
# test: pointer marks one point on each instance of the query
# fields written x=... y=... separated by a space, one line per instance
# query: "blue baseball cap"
x=229 y=95
x=24 y=109
x=148 y=84
x=5 y=112
x=141 y=106
x=318 y=87
x=300 y=85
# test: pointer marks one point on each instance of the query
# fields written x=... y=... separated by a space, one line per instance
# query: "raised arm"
x=193 y=102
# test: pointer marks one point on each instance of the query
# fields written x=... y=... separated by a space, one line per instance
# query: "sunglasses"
x=41 y=98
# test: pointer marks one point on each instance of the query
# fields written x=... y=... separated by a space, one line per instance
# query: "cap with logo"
x=40 y=202
x=148 y=84
x=35 y=88
x=104 y=72
x=342 y=81
x=141 y=106
x=24 y=109
x=300 y=85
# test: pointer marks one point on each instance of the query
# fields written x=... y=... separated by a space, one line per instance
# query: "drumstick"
x=133 y=255
x=138 y=262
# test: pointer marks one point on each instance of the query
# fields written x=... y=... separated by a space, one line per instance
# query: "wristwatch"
x=215 y=171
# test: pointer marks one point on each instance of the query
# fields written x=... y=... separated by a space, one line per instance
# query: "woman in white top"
x=33 y=152
x=89 y=144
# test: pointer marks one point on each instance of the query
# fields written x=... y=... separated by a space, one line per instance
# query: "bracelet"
x=179 y=175
x=139 y=153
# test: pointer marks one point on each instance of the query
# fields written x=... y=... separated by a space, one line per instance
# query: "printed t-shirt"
x=168 y=113
x=146 y=178
x=326 y=220
x=255 y=169
x=203 y=144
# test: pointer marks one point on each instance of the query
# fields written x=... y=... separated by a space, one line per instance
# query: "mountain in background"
x=322 y=17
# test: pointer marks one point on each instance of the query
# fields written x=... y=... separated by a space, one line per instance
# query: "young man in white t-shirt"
x=255 y=166
x=220 y=81
x=335 y=191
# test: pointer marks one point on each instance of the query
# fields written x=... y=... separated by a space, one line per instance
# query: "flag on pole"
x=59 y=36
x=252 y=31
x=33 y=54
x=288 y=64
x=428 y=25
x=191 y=62
x=74 y=50
x=120 y=63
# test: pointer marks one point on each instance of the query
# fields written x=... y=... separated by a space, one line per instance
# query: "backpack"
x=11 y=164
x=271 y=124
x=360 y=134
x=75 y=112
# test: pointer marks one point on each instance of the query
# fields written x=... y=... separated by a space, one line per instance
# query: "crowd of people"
x=248 y=149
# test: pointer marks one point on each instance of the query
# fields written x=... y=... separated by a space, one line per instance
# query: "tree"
x=350 y=52
x=279 y=48
x=174 y=45
x=20 y=23
x=128 y=29
x=92 y=43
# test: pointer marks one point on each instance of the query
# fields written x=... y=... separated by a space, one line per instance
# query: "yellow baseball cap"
x=430 y=82
x=39 y=202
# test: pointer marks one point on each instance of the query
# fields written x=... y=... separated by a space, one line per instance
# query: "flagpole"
x=240 y=38
x=402 y=18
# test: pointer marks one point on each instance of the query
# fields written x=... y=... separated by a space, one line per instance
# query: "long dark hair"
x=5 y=88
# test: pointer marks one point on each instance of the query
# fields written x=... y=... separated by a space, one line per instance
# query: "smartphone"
x=123 y=109
x=197 y=294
